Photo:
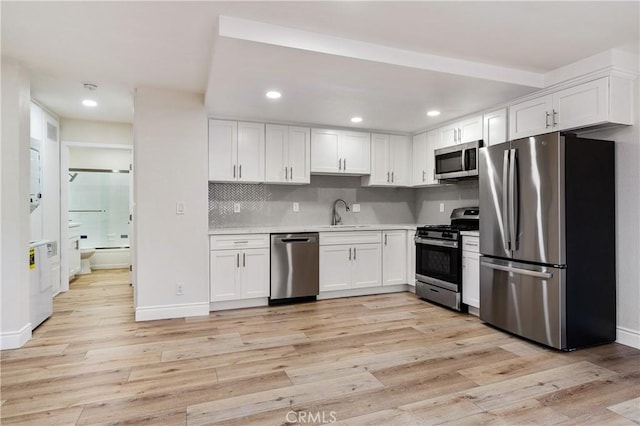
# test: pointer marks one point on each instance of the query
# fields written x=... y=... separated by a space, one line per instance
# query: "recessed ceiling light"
x=274 y=95
x=356 y=119
x=433 y=113
x=89 y=103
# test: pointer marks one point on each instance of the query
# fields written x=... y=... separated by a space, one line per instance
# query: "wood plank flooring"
x=377 y=360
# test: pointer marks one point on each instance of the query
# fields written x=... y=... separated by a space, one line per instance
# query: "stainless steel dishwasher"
x=294 y=266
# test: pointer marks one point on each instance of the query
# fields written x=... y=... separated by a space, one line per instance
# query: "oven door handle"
x=440 y=243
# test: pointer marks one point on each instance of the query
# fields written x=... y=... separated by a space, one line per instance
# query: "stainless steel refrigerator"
x=547 y=239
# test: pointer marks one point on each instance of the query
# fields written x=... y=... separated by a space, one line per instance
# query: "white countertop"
x=308 y=228
x=470 y=233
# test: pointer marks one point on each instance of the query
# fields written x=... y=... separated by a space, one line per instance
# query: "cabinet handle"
x=77 y=244
x=344 y=163
x=240 y=171
x=234 y=171
x=285 y=174
x=393 y=179
x=339 y=163
x=388 y=177
x=244 y=259
x=354 y=253
x=423 y=173
x=385 y=239
x=291 y=173
x=546 y=119
x=237 y=260
x=555 y=123
x=349 y=254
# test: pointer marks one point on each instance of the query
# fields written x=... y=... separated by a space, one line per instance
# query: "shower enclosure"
x=99 y=200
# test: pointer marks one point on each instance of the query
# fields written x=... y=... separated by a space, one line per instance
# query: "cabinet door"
x=367 y=266
x=530 y=118
x=471 y=278
x=433 y=143
x=394 y=257
x=325 y=151
x=581 y=105
x=400 y=153
x=335 y=267
x=223 y=150
x=380 y=167
x=276 y=145
x=250 y=152
x=299 y=155
x=470 y=130
x=254 y=264
x=356 y=153
x=419 y=154
x=495 y=127
x=448 y=135
x=224 y=270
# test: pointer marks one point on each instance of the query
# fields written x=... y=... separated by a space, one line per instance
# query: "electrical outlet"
x=355 y=208
x=441 y=207
x=236 y=207
x=296 y=207
x=179 y=289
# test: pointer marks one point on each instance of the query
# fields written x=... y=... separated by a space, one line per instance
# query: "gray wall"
x=271 y=205
x=427 y=201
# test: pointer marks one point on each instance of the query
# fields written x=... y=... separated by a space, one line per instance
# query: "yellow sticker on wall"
x=32 y=258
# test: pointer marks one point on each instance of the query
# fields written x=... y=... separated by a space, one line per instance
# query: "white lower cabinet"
x=241 y=271
x=470 y=271
x=350 y=260
x=394 y=257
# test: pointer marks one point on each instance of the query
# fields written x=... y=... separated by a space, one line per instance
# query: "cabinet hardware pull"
x=345 y=164
x=546 y=119
x=354 y=253
x=291 y=173
x=241 y=242
x=392 y=177
x=385 y=239
x=339 y=163
x=423 y=173
x=244 y=259
x=285 y=174
x=349 y=254
x=237 y=260
x=388 y=177
x=555 y=123
x=240 y=171
x=234 y=171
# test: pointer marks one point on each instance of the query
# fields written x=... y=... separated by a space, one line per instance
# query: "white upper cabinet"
x=495 y=127
x=340 y=152
x=423 y=170
x=236 y=151
x=467 y=130
x=288 y=156
x=605 y=100
x=390 y=161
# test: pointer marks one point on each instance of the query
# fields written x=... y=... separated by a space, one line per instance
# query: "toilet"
x=85 y=260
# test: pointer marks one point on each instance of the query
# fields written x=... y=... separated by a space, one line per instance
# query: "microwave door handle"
x=514 y=200
x=505 y=203
x=463 y=160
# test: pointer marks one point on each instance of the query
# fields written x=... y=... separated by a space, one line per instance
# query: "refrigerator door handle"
x=537 y=274
x=506 y=241
x=513 y=199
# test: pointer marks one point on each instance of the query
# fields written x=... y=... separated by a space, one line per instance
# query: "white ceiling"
x=388 y=62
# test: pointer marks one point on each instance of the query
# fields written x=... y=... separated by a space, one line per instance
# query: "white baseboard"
x=363 y=291
x=110 y=266
x=15 y=339
x=628 y=337
x=150 y=313
x=239 y=304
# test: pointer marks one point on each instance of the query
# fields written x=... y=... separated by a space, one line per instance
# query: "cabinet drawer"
x=471 y=244
x=238 y=241
x=351 y=237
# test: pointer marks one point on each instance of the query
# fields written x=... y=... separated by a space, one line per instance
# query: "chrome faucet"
x=336 y=219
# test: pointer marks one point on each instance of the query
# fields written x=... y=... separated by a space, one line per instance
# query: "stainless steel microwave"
x=457 y=161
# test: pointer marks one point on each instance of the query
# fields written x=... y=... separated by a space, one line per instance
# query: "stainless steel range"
x=439 y=258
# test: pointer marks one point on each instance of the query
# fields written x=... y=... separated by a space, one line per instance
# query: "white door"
x=394 y=257
x=250 y=152
x=419 y=154
x=581 y=105
x=223 y=150
x=448 y=135
x=335 y=267
x=276 y=144
x=325 y=151
x=471 y=278
x=530 y=118
x=254 y=264
x=367 y=266
x=400 y=153
x=470 y=130
x=495 y=127
x=299 y=155
x=380 y=164
x=224 y=270
x=356 y=153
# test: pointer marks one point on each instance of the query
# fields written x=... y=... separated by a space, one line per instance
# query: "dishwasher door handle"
x=295 y=240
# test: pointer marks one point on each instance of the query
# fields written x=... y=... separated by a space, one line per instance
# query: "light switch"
x=236 y=207
x=179 y=207
x=296 y=207
x=355 y=208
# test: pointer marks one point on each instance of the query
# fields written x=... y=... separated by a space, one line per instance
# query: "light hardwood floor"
x=380 y=360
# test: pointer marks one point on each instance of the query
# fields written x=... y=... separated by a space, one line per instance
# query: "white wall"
x=15 y=328
x=72 y=130
x=170 y=164
x=627 y=225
